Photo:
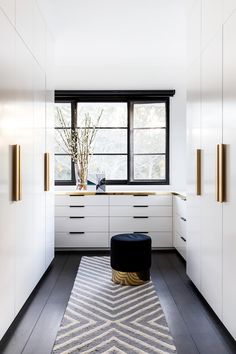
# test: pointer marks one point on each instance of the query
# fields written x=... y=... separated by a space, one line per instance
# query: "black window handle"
x=140 y=217
x=76 y=233
x=183 y=218
x=140 y=206
x=184 y=239
x=77 y=206
x=140 y=195
x=77 y=217
x=76 y=195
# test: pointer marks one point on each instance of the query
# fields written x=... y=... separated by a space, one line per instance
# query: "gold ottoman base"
x=130 y=278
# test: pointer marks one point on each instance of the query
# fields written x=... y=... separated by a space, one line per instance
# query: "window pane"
x=111 y=141
x=114 y=114
x=149 y=141
x=63 y=109
x=60 y=146
x=114 y=167
x=62 y=168
x=149 y=115
x=149 y=167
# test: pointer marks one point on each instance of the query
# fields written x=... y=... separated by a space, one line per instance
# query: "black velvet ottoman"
x=131 y=258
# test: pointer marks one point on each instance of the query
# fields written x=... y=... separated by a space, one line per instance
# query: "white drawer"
x=159 y=239
x=141 y=200
x=140 y=210
x=82 y=240
x=180 y=206
x=81 y=210
x=78 y=224
x=180 y=225
x=81 y=200
x=140 y=224
x=180 y=244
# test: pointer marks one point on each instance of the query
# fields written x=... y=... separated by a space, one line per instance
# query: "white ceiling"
x=109 y=36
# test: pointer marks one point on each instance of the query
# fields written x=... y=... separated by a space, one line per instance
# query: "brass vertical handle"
x=198 y=172
x=16 y=173
x=221 y=173
x=46 y=172
x=217 y=172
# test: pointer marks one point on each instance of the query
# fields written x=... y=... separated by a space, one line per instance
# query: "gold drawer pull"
x=198 y=172
x=16 y=173
x=46 y=172
x=221 y=173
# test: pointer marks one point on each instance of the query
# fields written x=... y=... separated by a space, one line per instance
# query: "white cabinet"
x=39 y=36
x=211 y=242
x=194 y=31
x=148 y=214
x=193 y=201
x=25 y=20
x=229 y=207
x=82 y=221
x=81 y=200
x=179 y=225
x=211 y=19
x=228 y=7
x=80 y=217
x=25 y=138
x=38 y=150
x=23 y=248
x=7 y=210
x=137 y=199
x=8 y=6
x=211 y=135
x=49 y=148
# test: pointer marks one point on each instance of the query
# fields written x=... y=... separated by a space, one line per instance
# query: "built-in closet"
x=26 y=126
x=211 y=194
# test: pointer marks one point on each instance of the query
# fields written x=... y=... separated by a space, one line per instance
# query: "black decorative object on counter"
x=101 y=183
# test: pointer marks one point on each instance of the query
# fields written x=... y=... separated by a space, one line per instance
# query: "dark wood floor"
x=193 y=325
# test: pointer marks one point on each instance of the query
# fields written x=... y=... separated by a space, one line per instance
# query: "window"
x=132 y=136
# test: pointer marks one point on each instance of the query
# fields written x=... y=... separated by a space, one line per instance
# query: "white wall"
x=120 y=44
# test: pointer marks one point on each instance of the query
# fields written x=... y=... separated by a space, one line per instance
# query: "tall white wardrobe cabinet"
x=26 y=119
x=211 y=112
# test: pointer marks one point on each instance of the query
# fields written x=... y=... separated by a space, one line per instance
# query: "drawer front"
x=159 y=239
x=83 y=240
x=180 y=206
x=140 y=210
x=81 y=200
x=139 y=224
x=180 y=225
x=141 y=200
x=180 y=244
x=81 y=210
x=81 y=224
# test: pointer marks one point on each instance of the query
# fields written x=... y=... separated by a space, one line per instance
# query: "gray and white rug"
x=102 y=317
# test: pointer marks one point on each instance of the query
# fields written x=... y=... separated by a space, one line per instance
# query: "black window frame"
x=131 y=98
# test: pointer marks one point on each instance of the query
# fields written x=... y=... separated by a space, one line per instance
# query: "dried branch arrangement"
x=79 y=143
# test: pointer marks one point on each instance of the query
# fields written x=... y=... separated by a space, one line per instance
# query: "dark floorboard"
x=193 y=324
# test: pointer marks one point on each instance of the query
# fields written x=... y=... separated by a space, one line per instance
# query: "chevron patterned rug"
x=102 y=317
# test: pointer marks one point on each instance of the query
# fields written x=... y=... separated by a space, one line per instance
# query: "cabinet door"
x=25 y=21
x=193 y=201
x=8 y=6
x=229 y=208
x=211 y=19
x=49 y=195
x=24 y=210
x=194 y=30
x=7 y=229
x=38 y=231
x=228 y=7
x=211 y=135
